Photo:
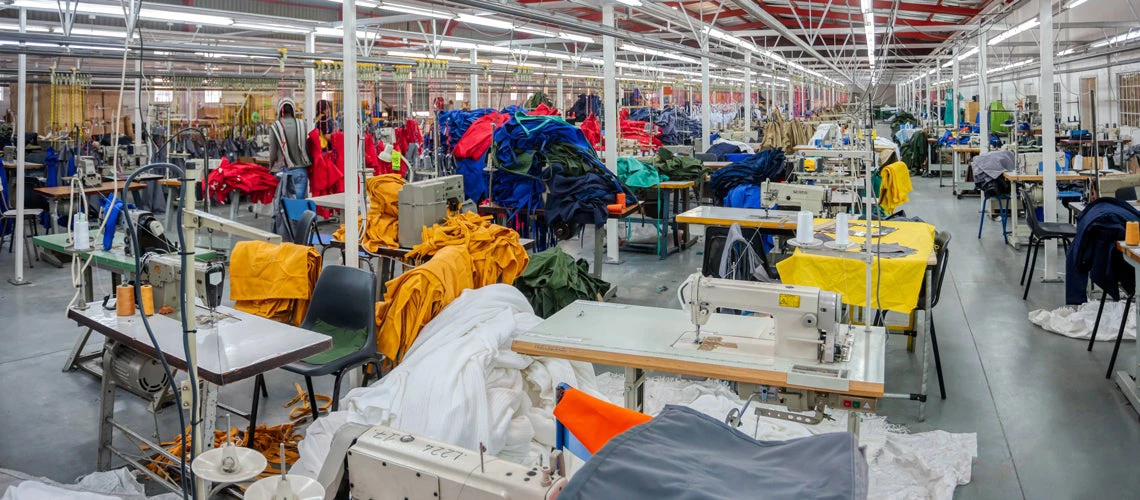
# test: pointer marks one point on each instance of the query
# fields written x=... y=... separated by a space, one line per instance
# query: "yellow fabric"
x=896 y=186
x=496 y=254
x=901 y=279
x=273 y=281
x=416 y=296
x=383 y=228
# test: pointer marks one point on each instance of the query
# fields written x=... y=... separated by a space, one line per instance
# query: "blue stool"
x=1003 y=211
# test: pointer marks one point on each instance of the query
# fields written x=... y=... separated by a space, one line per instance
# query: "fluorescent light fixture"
x=537 y=32
x=1017 y=64
x=659 y=53
x=1066 y=52
x=485 y=21
x=1073 y=3
x=961 y=57
x=1123 y=38
x=720 y=35
x=631 y=3
x=117 y=11
x=407 y=9
x=575 y=38
x=1016 y=30
x=273 y=27
x=496 y=49
x=361 y=3
x=410 y=55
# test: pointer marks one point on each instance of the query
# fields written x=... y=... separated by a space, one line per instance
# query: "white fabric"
x=744 y=146
x=35 y=490
x=1078 y=323
x=460 y=383
x=114 y=484
x=927 y=465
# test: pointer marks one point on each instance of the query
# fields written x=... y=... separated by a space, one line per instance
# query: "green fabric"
x=998 y=117
x=536 y=99
x=345 y=342
x=635 y=174
x=679 y=168
x=570 y=157
x=552 y=280
x=914 y=151
x=902 y=118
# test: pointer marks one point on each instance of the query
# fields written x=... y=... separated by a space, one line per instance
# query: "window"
x=514 y=96
x=326 y=96
x=459 y=96
x=213 y=96
x=1128 y=88
x=3 y=94
x=164 y=96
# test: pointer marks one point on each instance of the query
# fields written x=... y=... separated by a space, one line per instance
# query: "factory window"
x=1128 y=88
x=459 y=96
x=213 y=96
x=163 y=96
x=326 y=96
x=514 y=96
x=3 y=94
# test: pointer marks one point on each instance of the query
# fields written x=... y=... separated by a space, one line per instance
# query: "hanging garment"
x=496 y=254
x=592 y=129
x=382 y=228
x=637 y=175
x=408 y=134
x=553 y=279
x=914 y=151
x=417 y=296
x=273 y=281
x=327 y=173
x=461 y=384
x=537 y=99
x=372 y=155
x=896 y=186
x=1093 y=253
x=988 y=169
x=253 y=180
x=584 y=106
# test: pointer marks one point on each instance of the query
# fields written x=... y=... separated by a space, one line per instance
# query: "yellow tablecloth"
x=846 y=274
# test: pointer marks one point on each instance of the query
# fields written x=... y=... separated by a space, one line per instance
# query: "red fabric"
x=635 y=129
x=408 y=134
x=254 y=180
x=474 y=143
x=326 y=176
x=372 y=155
x=592 y=129
x=544 y=110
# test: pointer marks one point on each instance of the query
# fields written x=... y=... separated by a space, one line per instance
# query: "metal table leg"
x=88 y=284
x=635 y=389
x=599 y=249
x=53 y=208
x=1013 y=238
x=106 y=410
x=925 y=340
x=663 y=239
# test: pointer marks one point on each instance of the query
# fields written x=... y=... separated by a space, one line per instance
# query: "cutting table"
x=642 y=338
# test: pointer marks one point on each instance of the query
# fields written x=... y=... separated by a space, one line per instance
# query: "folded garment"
x=635 y=174
x=273 y=281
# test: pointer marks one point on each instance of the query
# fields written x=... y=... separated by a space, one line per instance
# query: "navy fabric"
x=683 y=454
x=722 y=149
x=1093 y=253
x=583 y=107
x=50 y=167
x=757 y=168
x=579 y=199
x=513 y=109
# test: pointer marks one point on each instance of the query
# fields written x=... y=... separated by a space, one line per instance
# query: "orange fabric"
x=273 y=281
x=417 y=296
x=383 y=228
x=496 y=254
x=593 y=421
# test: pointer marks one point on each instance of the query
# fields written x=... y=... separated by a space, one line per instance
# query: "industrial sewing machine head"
x=87 y=172
x=807 y=319
x=427 y=202
x=801 y=196
x=164 y=273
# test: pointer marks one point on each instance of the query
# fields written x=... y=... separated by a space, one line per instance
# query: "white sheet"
x=1078 y=323
x=460 y=383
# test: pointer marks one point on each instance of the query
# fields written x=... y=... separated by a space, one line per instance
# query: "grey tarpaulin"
x=685 y=454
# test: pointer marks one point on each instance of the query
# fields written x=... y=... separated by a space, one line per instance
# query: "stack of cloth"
x=896 y=186
x=553 y=280
x=470 y=153
x=533 y=152
x=637 y=175
x=680 y=168
x=254 y=180
x=273 y=281
x=749 y=174
x=636 y=130
x=496 y=254
x=381 y=229
x=722 y=147
x=417 y=296
x=453 y=124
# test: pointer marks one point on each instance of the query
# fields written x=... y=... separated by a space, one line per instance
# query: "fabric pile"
x=453 y=124
x=553 y=280
x=753 y=171
x=382 y=226
x=675 y=126
x=679 y=168
x=637 y=175
x=496 y=254
x=254 y=180
x=592 y=129
x=896 y=186
x=471 y=149
x=273 y=281
x=636 y=130
x=460 y=383
x=417 y=296
x=1093 y=253
x=988 y=169
x=544 y=110
x=1078 y=323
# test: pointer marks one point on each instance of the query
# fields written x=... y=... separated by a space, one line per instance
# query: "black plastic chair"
x=344 y=299
x=1039 y=232
x=1119 y=334
x=942 y=250
x=1126 y=193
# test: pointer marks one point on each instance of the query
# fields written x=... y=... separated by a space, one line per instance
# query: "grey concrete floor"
x=1049 y=425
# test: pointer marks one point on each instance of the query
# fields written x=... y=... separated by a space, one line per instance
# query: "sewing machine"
x=388 y=464
x=423 y=203
x=804 y=196
x=826 y=135
x=87 y=172
x=806 y=319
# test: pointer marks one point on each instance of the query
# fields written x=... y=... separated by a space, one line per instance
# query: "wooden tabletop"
x=1015 y=177
x=965 y=149
x=27 y=166
x=676 y=184
x=492 y=208
x=60 y=192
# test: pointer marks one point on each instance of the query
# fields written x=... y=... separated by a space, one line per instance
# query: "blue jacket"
x=1093 y=254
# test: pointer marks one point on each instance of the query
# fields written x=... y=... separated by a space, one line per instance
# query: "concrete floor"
x=1049 y=425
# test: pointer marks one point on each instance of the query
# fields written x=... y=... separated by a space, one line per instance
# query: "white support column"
x=36 y=109
x=560 y=99
x=983 y=94
x=351 y=139
x=610 y=103
x=955 y=82
x=475 y=80
x=21 y=131
x=310 y=85
x=137 y=127
x=1048 y=134
x=706 y=106
x=747 y=95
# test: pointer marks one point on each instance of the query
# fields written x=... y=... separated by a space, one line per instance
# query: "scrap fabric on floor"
x=553 y=280
x=273 y=281
x=496 y=254
x=1078 y=322
x=461 y=383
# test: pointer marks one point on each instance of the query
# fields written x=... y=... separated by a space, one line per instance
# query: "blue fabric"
x=299 y=178
x=49 y=167
x=757 y=168
x=71 y=164
x=744 y=196
x=474 y=179
x=294 y=208
x=722 y=149
x=1093 y=253
x=583 y=107
x=514 y=109
x=453 y=124
x=111 y=213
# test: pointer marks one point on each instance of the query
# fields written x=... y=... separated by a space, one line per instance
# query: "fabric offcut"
x=382 y=228
x=460 y=383
x=1078 y=322
x=682 y=453
x=417 y=296
x=496 y=254
x=553 y=279
x=254 y=180
x=273 y=281
x=896 y=186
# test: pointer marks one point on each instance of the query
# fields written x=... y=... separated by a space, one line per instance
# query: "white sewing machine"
x=388 y=464
x=87 y=172
x=423 y=203
x=828 y=134
x=804 y=196
x=806 y=319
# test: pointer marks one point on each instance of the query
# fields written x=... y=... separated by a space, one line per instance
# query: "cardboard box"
x=972 y=108
x=1088 y=163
